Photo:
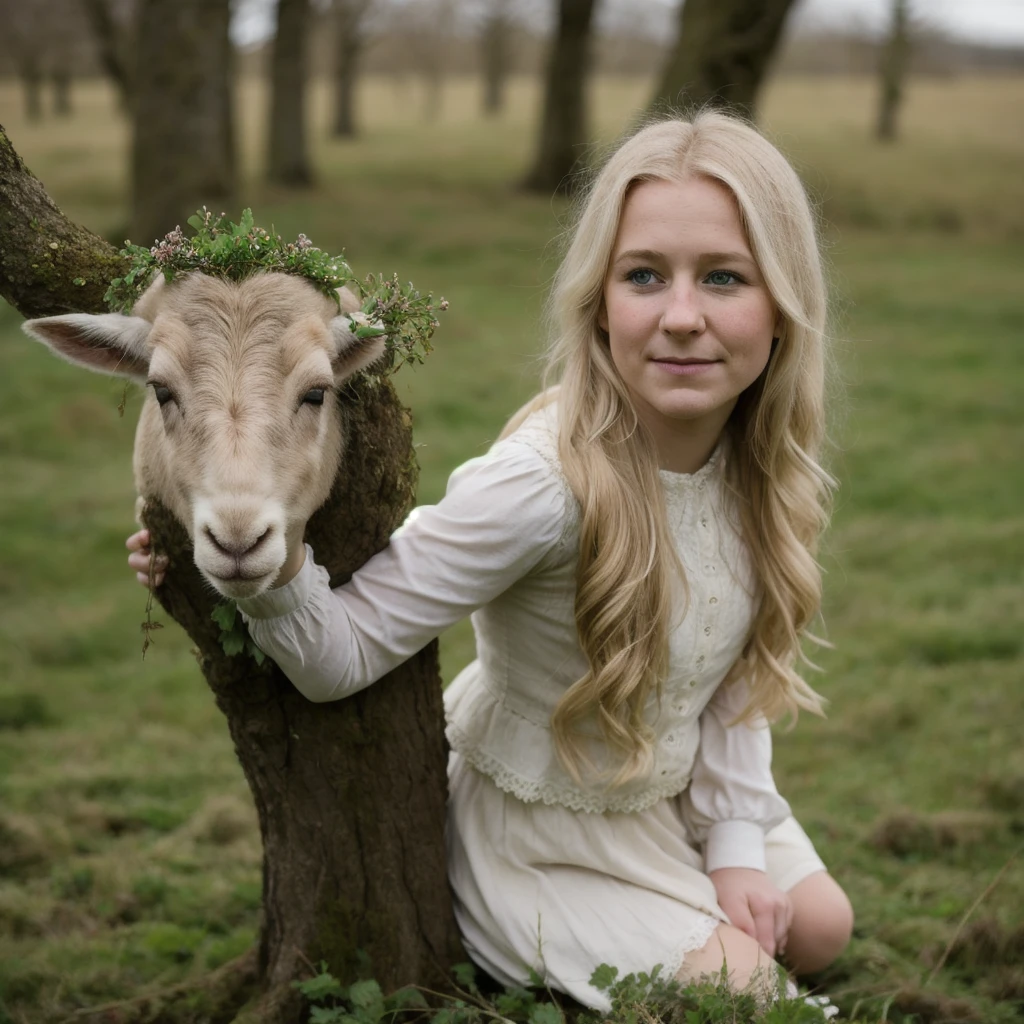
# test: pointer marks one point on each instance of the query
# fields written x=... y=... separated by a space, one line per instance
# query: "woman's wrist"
x=292 y=566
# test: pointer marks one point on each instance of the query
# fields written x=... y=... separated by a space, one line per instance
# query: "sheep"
x=239 y=435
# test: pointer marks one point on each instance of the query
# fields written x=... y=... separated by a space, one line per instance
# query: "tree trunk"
x=32 y=87
x=183 y=154
x=722 y=53
x=350 y=795
x=287 y=157
x=494 y=48
x=62 y=93
x=111 y=47
x=348 y=15
x=563 y=130
x=892 y=71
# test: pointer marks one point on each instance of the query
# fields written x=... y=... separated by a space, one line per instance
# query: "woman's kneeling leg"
x=745 y=962
x=822 y=923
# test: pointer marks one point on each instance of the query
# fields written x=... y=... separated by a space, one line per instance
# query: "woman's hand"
x=140 y=557
x=755 y=906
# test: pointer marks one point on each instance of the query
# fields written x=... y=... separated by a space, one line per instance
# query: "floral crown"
x=222 y=248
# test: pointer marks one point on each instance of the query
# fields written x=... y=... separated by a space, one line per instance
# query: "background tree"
x=892 y=71
x=349 y=40
x=24 y=39
x=563 y=130
x=350 y=795
x=183 y=151
x=425 y=30
x=287 y=149
x=722 y=52
x=112 y=24
x=495 y=53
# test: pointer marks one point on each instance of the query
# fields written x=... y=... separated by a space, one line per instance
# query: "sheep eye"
x=163 y=393
x=315 y=396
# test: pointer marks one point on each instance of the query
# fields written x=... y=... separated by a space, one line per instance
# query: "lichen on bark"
x=48 y=264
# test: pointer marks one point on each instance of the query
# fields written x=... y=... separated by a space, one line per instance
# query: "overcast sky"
x=988 y=21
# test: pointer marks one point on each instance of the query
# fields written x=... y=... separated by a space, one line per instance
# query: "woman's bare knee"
x=822 y=923
x=745 y=962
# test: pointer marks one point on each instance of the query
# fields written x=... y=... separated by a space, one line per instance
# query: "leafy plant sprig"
x=222 y=248
x=635 y=999
x=234 y=636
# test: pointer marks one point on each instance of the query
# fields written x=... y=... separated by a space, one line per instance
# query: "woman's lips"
x=689 y=368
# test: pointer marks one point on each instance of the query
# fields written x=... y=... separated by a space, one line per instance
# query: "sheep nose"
x=235 y=548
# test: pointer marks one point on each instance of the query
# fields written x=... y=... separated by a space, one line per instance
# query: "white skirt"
x=560 y=892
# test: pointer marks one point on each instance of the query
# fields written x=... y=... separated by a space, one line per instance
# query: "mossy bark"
x=722 y=53
x=350 y=796
x=48 y=265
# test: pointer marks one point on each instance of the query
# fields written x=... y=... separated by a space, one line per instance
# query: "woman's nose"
x=682 y=314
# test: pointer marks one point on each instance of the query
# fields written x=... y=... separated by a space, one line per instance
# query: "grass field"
x=128 y=852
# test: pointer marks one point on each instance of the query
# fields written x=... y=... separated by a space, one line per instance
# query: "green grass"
x=128 y=852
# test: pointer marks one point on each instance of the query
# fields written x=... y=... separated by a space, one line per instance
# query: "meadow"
x=129 y=858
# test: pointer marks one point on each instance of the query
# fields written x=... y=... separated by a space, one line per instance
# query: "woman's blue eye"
x=722 y=278
x=642 y=276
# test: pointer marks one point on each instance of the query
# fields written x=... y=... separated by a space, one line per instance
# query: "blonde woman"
x=637 y=552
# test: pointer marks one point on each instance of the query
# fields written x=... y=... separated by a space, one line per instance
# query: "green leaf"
x=366 y=994
x=196 y=221
x=326 y=1014
x=408 y=998
x=323 y=986
x=604 y=977
x=232 y=643
x=464 y=974
x=545 y=1013
x=367 y=331
x=224 y=614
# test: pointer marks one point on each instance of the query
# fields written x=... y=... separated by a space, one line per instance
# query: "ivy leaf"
x=224 y=614
x=232 y=643
x=254 y=652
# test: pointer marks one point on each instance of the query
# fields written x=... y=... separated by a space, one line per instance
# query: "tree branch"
x=48 y=264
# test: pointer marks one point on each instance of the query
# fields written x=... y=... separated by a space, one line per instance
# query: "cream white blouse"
x=502 y=546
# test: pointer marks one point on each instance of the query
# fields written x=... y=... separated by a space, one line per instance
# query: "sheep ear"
x=107 y=342
x=352 y=353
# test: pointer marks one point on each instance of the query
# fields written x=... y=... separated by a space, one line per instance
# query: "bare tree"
x=25 y=40
x=112 y=25
x=183 y=153
x=423 y=31
x=722 y=53
x=495 y=47
x=893 y=70
x=350 y=39
x=350 y=795
x=563 y=130
x=287 y=148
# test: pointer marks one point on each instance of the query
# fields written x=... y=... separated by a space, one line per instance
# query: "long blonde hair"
x=627 y=559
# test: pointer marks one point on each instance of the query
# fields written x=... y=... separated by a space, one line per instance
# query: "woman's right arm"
x=501 y=515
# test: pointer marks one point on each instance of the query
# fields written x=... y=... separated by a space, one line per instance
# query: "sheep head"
x=240 y=433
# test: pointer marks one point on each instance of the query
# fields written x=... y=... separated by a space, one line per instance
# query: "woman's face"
x=689 y=318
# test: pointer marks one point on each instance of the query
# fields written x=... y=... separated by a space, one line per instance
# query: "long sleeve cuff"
x=284 y=600
x=735 y=844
